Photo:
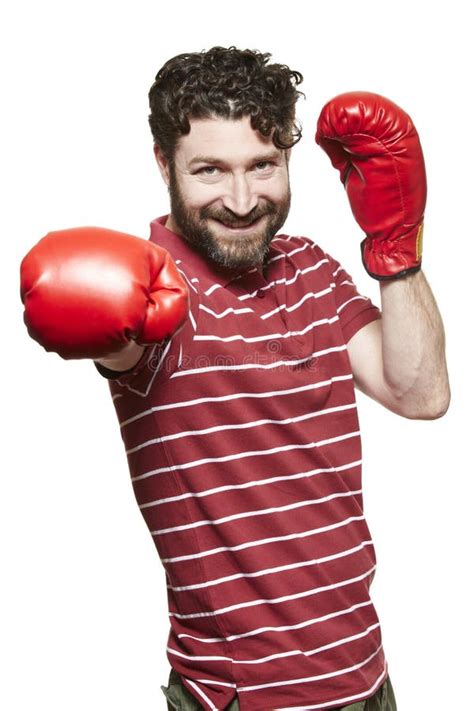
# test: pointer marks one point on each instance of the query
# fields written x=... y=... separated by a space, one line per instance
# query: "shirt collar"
x=181 y=249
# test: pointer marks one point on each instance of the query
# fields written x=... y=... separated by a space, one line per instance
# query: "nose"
x=240 y=197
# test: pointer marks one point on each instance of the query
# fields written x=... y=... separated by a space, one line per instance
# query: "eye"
x=208 y=170
x=263 y=165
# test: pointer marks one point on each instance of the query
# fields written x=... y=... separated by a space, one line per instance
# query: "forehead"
x=229 y=139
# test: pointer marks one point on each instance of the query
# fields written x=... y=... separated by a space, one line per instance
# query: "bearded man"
x=233 y=352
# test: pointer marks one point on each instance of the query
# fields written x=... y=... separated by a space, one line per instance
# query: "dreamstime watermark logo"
x=274 y=346
x=271 y=358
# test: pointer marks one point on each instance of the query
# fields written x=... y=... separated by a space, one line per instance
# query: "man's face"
x=229 y=190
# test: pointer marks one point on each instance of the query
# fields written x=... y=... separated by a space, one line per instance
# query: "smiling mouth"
x=247 y=227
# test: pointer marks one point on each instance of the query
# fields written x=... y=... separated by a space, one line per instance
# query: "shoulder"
x=306 y=257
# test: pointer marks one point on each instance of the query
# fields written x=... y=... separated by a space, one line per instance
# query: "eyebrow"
x=274 y=155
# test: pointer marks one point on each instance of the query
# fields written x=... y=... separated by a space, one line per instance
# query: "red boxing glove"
x=88 y=291
x=374 y=145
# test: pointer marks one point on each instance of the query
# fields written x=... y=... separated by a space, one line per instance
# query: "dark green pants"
x=180 y=699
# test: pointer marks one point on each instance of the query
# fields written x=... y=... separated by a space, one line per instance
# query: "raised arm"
x=400 y=359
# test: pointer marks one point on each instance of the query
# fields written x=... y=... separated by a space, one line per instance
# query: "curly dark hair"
x=228 y=83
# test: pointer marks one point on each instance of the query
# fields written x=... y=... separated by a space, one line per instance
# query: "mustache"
x=232 y=220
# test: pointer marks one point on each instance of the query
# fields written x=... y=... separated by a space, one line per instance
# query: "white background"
x=84 y=617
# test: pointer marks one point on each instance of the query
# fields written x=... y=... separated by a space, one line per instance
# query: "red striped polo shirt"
x=243 y=443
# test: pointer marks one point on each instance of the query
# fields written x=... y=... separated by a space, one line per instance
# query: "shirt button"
x=261 y=294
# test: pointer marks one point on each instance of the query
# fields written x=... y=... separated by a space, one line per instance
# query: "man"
x=239 y=417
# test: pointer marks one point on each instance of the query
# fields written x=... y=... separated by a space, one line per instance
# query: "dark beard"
x=242 y=252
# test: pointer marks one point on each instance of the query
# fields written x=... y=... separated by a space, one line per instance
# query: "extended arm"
x=95 y=293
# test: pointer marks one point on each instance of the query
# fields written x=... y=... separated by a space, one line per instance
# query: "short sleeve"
x=354 y=309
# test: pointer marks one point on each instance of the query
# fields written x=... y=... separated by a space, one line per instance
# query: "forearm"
x=413 y=345
x=124 y=359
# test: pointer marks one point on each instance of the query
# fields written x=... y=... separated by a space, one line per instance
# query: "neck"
x=170 y=224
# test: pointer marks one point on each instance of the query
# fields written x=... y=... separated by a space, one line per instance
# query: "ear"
x=162 y=164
